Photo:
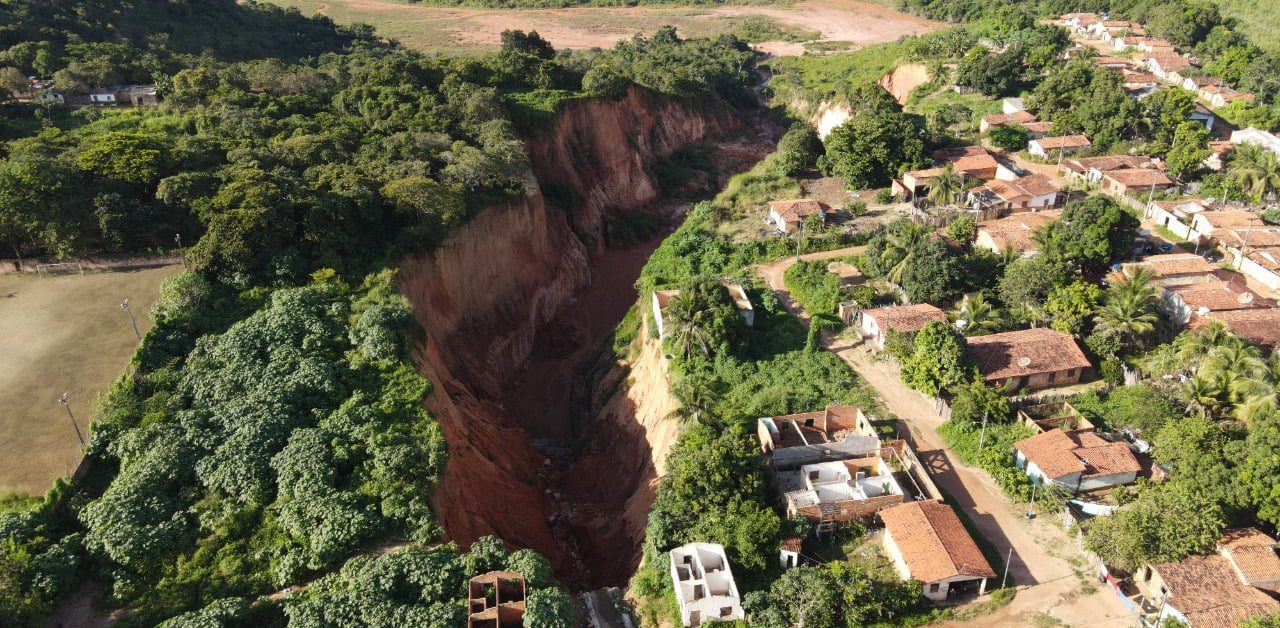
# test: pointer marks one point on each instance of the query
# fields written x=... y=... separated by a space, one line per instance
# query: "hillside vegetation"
x=270 y=427
x=1258 y=19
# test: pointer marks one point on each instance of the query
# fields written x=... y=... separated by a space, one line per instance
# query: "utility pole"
x=1248 y=230
x=982 y=437
x=124 y=305
x=177 y=238
x=1032 y=513
x=1151 y=194
x=799 y=239
x=1007 y=559
x=63 y=400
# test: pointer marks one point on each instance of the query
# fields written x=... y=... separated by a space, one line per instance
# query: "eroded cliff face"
x=595 y=155
x=514 y=305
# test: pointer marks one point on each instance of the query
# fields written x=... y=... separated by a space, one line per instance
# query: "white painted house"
x=787 y=216
x=1261 y=265
x=1256 y=136
x=704 y=584
x=1047 y=147
x=1076 y=461
x=904 y=319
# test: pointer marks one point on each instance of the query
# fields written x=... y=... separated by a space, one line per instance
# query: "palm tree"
x=1141 y=287
x=945 y=188
x=900 y=248
x=1194 y=346
x=1204 y=396
x=687 y=330
x=1235 y=360
x=697 y=398
x=1126 y=316
x=1255 y=170
x=978 y=315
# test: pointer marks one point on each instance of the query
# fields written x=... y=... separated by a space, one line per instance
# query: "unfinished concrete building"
x=496 y=600
x=835 y=433
x=704 y=584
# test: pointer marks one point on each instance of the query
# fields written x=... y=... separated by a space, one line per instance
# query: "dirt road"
x=1043 y=560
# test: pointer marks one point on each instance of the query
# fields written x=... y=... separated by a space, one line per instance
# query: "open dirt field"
x=450 y=28
x=59 y=334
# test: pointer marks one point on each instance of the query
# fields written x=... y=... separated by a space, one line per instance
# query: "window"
x=933 y=588
x=726 y=611
x=1051 y=376
x=808 y=422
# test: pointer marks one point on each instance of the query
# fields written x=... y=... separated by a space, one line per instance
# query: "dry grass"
x=451 y=29
x=62 y=333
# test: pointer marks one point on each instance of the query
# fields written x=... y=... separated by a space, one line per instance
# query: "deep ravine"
x=550 y=446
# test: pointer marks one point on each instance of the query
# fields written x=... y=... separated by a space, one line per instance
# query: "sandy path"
x=1038 y=549
x=861 y=23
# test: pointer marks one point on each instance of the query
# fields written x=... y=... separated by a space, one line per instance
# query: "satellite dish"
x=1202 y=311
x=1024 y=362
x=1245 y=298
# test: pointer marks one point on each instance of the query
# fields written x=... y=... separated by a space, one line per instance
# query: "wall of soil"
x=548 y=443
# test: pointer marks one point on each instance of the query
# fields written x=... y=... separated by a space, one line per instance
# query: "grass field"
x=452 y=29
x=1257 y=19
x=63 y=333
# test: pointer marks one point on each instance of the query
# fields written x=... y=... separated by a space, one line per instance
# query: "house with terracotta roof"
x=1260 y=326
x=1037 y=130
x=789 y=552
x=1218 y=591
x=1014 y=232
x=786 y=216
x=1029 y=193
x=834 y=433
x=1005 y=119
x=1177 y=216
x=1078 y=461
x=1047 y=147
x=1249 y=237
x=926 y=542
x=970 y=161
x=1165 y=63
x=1174 y=269
x=1028 y=358
x=1089 y=170
x=1214 y=224
x=704 y=585
x=1221 y=97
x=496 y=600
x=830 y=494
x=1129 y=181
x=1186 y=302
x=1112 y=63
x=904 y=319
x=1261 y=264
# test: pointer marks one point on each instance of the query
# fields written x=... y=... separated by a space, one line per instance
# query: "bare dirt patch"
x=448 y=28
x=61 y=334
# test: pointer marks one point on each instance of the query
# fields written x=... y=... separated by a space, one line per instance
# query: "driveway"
x=1042 y=559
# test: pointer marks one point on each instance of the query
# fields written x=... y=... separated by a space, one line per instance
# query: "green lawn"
x=1257 y=19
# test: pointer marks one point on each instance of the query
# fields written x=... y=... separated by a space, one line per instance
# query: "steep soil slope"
x=513 y=307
